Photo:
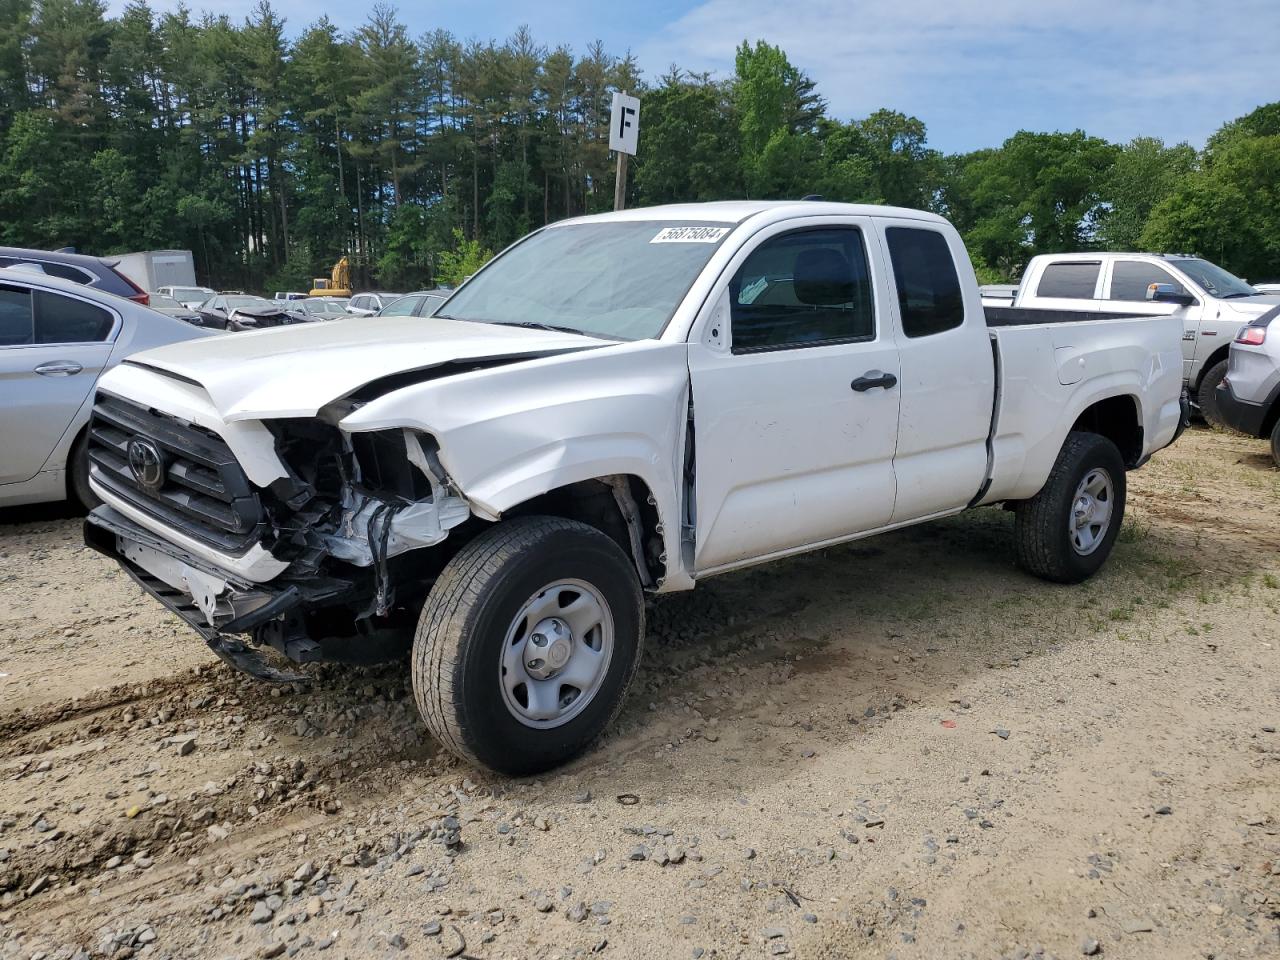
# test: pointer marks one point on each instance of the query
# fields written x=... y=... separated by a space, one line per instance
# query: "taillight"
x=139 y=295
x=1251 y=335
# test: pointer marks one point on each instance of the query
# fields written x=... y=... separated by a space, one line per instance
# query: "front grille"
x=204 y=493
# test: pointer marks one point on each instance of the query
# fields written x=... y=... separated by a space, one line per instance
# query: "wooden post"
x=620 y=183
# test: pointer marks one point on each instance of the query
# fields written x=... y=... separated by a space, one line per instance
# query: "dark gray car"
x=97 y=272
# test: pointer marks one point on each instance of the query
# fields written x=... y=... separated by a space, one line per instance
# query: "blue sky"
x=973 y=71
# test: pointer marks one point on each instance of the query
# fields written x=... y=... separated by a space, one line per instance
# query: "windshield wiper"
x=537 y=325
x=1231 y=296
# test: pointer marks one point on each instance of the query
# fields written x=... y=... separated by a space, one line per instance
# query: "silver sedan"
x=56 y=339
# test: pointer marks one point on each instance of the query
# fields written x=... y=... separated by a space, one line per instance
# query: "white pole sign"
x=624 y=124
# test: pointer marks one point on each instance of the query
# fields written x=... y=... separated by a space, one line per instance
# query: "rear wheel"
x=1207 y=396
x=1275 y=443
x=527 y=644
x=1066 y=531
x=78 y=474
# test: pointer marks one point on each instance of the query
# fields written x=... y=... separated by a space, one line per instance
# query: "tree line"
x=271 y=154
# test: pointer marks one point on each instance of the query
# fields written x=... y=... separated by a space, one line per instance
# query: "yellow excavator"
x=337 y=285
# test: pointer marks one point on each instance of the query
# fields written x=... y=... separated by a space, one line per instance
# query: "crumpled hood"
x=293 y=371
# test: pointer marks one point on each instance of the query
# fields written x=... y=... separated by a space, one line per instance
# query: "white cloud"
x=976 y=72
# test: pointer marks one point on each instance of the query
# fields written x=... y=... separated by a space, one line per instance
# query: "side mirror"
x=1168 y=293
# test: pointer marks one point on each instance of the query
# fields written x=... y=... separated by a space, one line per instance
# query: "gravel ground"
x=897 y=748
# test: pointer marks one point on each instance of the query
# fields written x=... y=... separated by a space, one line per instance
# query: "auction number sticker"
x=690 y=235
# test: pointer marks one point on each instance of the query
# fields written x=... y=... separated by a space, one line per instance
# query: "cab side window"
x=1130 y=279
x=1070 y=279
x=929 y=295
x=803 y=289
x=17 y=320
x=62 y=319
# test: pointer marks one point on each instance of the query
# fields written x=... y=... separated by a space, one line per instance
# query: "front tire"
x=527 y=644
x=1066 y=531
x=1207 y=396
x=78 y=487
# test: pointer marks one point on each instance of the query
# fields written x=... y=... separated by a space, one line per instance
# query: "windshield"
x=1214 y=280
x=160 y=300
x=615 y=279
x=190 y=293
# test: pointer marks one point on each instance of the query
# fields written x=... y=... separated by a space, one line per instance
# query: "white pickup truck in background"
x=1211 y=303
x=616 y=405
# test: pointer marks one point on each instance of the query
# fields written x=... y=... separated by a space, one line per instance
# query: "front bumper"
x=1240 y=414
x=213 y=602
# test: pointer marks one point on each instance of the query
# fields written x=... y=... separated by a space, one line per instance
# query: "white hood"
x=1247 y=308
x=293 y=371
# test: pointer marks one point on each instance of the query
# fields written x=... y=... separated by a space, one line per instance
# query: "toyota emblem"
x=146 y=463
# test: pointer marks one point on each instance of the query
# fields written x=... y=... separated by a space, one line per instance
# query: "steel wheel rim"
x=1092 y=509
x=546 y=684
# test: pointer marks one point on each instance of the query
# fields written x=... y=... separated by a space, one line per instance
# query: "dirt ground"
x=898 y=748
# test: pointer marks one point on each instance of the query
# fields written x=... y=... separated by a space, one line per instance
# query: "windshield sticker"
x=690 y=235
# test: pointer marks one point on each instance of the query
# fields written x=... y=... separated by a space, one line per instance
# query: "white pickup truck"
x=1211 y=304
x=616 y=405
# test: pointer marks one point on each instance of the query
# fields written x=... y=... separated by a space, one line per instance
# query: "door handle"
x=59 y=368
x=874 y=378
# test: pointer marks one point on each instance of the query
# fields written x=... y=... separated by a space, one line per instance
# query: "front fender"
x=510 y=433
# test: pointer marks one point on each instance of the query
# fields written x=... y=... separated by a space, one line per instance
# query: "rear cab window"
x=1069 y=280
x=929 y=296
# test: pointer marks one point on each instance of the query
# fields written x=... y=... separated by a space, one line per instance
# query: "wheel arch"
x=1119 y=419
x=621 y=506
x=1210 y=362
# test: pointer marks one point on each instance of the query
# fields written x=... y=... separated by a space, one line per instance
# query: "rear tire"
x=78 y=488
x=1207 y=397
x=1060 y=531
x=473 y=654
x=1275 y=443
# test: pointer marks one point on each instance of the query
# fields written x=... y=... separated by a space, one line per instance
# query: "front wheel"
x=527 y=644
x=1207 y=395
x=1066 y=531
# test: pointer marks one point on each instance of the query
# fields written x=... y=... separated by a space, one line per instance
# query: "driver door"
x=794 y=376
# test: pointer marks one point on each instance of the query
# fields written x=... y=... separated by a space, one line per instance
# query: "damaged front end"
x=339 y=529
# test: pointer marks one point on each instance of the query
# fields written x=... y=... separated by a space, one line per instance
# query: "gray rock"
x=1090 y=947
x=1164 y=810
x=582 y=796
x=261 y=913
x=1001 y=732
x=577 y=913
